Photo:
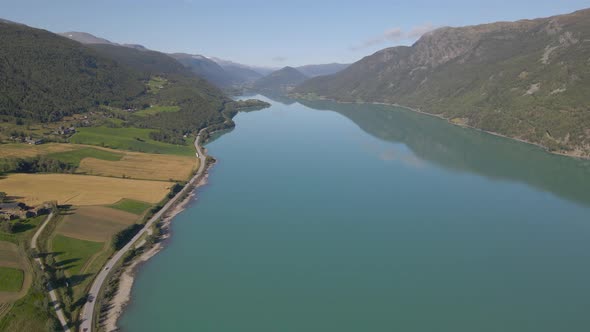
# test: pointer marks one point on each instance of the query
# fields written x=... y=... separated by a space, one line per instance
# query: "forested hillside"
x=148 y=63
x=45 y=76
x=528 y=79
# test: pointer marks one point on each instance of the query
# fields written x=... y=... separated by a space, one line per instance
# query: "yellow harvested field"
x=34 y=189
x=133 y=165
x=95 y=223
x=9 y=255
x=26 y=150
x=142 y=166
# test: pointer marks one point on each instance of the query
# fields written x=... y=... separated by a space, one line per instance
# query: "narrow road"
x=87 y=315
x=50 y=289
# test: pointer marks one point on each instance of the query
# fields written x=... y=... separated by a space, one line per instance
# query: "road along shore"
x=87 y=314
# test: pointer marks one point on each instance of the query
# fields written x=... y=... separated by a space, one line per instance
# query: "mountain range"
x=220 y=72
x=528 y=80
x=321 y=70
x=282 y=80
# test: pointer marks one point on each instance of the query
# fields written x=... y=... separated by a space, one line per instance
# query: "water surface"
x=328 y=217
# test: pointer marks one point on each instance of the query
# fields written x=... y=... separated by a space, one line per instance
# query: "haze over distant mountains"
x=85 y=38
x=281 y=80
x=222 y=73
x=528 y=79
x=322 y=70
x=263 y=71
x=210 y=70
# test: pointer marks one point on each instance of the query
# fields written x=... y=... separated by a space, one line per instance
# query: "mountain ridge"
x=322 y=69
x=283 y=80
x=528 y=79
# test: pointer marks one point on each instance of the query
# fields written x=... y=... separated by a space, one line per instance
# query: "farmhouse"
x=33 y=141
x=16 y=210
x=65 y=131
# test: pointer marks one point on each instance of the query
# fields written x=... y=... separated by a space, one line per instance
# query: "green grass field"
x=131 y=206
x=74 y=253
x=26 y=229
x=133 y=139
x=157 y=109
x=11 y=280
x=75 y=157
x=8 y=237
x=156 y=83
x=27 y=315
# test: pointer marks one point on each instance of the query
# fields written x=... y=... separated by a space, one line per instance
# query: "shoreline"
x=572 y=154
x=122 y=297
x=117 y=261
x=116 y=305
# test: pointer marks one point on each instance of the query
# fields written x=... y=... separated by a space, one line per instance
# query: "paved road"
x=52 y=292
x=87 y=315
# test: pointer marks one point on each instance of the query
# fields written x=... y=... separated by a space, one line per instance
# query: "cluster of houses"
x=33 y=141
x=28 y=140
x=65 y=131
x=16 y=210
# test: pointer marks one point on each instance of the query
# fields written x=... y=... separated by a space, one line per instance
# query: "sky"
x=272 y=33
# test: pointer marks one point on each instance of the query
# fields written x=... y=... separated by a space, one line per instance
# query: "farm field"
x=34 y=189
x=24 y=232
x=74 y=157
x=82 y=242
x=142 y=166
x=9 y=255
x=23 y=311
x=132 y=139
x=11 y=279
x=20 y=150
x=18 y=307
x=95 y=223
x=101 y=161
x=156 y=83
x=73 y=254
x=131 y=206
x=157 y=109
x=15 y=277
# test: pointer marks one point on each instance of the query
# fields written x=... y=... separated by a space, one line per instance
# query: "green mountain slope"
x=206 y=69
x=85 y=38
x=322 y=69
x=149 y=63
x=529 y=79
x=45 y=76
x=200 y=103
x=281 y=80
x=242 y=75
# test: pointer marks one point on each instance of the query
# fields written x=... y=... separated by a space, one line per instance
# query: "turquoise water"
x=330 y=217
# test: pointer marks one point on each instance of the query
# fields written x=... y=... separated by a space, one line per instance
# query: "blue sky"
x=271 y=33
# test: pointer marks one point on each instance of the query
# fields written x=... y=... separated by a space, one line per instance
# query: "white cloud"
x=395 y=35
